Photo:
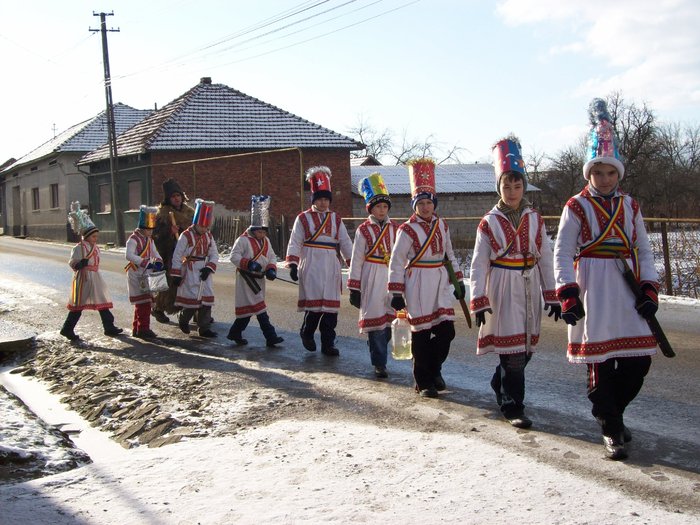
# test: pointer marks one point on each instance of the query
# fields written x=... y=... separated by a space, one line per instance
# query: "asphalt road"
x=665 y=417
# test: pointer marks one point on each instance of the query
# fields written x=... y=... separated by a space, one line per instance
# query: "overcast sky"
x=464 y=72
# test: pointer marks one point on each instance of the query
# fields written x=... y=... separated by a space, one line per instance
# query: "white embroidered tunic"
x=247 y=248
x=315 y=237
x=416 y=270
x=369 y=272
x=140 y=251
x=88 y=289
x=591 y=232
x=496 y=280
x=193 y=252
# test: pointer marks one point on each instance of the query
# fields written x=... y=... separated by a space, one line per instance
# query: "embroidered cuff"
x=292 y=259
x=568 y=290
x=479 y=303
x=397 y=287
x=354 y=284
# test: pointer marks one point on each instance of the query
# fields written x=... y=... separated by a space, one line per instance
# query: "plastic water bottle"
x=401 y=337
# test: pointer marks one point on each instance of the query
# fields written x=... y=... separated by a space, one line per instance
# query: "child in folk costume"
x=88 y=291
x=254 y=259
x=608 y=330
x=313 y=259
x=194 y=260
x=369 y=271
x=143 y=259
x=416 y=272
x=511 y=273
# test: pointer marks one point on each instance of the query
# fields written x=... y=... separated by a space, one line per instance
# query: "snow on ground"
x=310 y=472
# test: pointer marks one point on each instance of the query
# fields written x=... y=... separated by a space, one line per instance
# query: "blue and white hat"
x=602 y=142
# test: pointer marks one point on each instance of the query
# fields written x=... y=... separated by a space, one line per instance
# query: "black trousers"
x=430 y=348
x=612 y=385
x=326 y=321
x=203 y=316
x=74 y=316
x=241 y=323
x=509 y=383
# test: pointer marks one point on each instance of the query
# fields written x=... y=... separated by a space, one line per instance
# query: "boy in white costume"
x=511 y=273
x=417 y=272
x=369 y=271
x=608 y=330
x=319 y=239
x=88 y=289
x=194 y=260
x=255 y=262
x=143 y=257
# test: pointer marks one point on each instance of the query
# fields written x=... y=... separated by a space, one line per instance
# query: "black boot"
x=69 y=325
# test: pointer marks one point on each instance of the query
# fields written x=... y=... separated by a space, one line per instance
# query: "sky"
x=459 y=73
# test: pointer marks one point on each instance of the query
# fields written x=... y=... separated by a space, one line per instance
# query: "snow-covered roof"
x=215 y=116
x=85 y=136
x=449 y=178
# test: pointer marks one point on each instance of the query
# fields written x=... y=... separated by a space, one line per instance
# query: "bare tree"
x=378 y=144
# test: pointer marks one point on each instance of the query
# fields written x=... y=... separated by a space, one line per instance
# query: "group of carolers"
x=514 y=274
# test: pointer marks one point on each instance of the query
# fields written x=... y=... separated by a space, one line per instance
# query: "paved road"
x=665 y=418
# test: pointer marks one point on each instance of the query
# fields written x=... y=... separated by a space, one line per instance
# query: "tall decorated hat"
x=421 y=175
x=507 y=158
x=147 y=217
x=259 y=212
x=203 y=213
x=80 y=221
x=374 y=191
x=602 y=142
x=319 y=178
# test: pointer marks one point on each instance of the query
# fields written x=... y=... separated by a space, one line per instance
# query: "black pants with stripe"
x=509 y=383
x=612 y=385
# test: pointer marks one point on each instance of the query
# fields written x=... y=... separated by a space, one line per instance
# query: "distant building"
x=463 y=190
x=36 y=190
x=221 y=145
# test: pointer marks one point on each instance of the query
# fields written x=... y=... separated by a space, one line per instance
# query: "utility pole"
x=111 y=129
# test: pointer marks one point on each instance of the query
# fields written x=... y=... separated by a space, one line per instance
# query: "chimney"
x=205 y=80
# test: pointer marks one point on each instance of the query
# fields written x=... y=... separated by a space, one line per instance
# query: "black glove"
x=397 y=302
x=648 y=304
x=554 y=310
x=293 y=272
x=270 y=274
x=158 y=266
x=480 y=317
x=571 y=306
x=355 y=298
x=82 y=263
x=205 y=272
x=460 y=292
x=254 y=266
x=176 y=281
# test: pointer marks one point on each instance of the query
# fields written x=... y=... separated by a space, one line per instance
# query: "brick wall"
x=231 y=181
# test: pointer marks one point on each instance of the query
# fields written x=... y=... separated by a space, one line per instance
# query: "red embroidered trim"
x=318 y=303
x=577 y=209
x=603 y=347
x=101 y=306
x=540 y=229
x=479 y=303
x=305 y=223
x=431 y=317
x=135 y=299
x=413 y=235
x=485 y=228
x=354 y=284
x=507 y=229
x=507 y=341
x=292 y=259
x=561 y=289
x=251 y=309
x=377 y=321
x=194 y=302
x=550 y=296
x=396 y=287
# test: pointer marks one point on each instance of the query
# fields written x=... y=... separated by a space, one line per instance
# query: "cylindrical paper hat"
x=507 y=158
x=602 y=142
x=147 y=217
x=203 y=213
x=259 y=212
x=374 y=191
x=80 y=221
x=319 y=178
x=421 y=175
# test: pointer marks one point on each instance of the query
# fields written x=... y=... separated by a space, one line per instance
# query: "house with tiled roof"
x=37 y=189
x=221 y=145
x=463 y=190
